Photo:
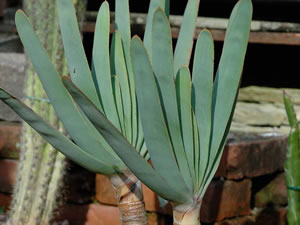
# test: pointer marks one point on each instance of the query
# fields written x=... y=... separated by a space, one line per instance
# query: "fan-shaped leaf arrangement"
x=186 y=122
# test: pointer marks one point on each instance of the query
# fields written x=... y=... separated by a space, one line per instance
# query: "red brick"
x=102 y=215
x=105 y=195
x=152 y=202
x=244 y=220
x=91 y=214
x=271 y=216
x=5 y=200
x=253 y=158
x=225 y=199
x=8 y=171
x=9 y=140
x=104 y=191
x=274 y=193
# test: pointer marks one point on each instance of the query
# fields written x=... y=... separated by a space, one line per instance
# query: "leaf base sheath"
x=187 y=214
x=128 y=190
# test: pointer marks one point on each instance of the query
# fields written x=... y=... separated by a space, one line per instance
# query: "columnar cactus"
x=292 y=163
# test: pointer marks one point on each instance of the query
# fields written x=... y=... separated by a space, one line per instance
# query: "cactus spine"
x=292 y=165
x=41 y=168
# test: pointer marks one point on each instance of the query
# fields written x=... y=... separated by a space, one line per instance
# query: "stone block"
x=12 y=76
x=252 y=158
x=10 y=140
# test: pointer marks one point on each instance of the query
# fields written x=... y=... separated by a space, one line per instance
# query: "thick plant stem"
x=129 y=194
x=187 y=214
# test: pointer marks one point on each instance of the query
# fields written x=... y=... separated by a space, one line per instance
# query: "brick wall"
x=248 y=189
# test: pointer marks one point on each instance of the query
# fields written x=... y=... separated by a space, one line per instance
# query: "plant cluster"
x=138 y=100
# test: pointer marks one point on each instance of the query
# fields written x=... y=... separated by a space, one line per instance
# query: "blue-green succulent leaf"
x=183 y=91
x=154 y=4
x=162 y=61
x=213 y=168
x=55 y=138
x=74 y=122
x=101 y=64
x=154 y=126
x=167 y=7
x=229 y=72
x=185 y=39
x=123 y=26
x=119 y=68
x=125 y=150
x=78 y=65
x=119 y=101
x=196 y=149
x=203 y=68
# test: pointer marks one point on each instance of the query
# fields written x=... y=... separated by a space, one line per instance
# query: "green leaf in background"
x=292 y=163
x=289 y=108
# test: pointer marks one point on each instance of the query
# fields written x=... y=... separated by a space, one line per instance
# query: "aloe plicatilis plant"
x=292 y=163
x=108 y=90
x=185 y=122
